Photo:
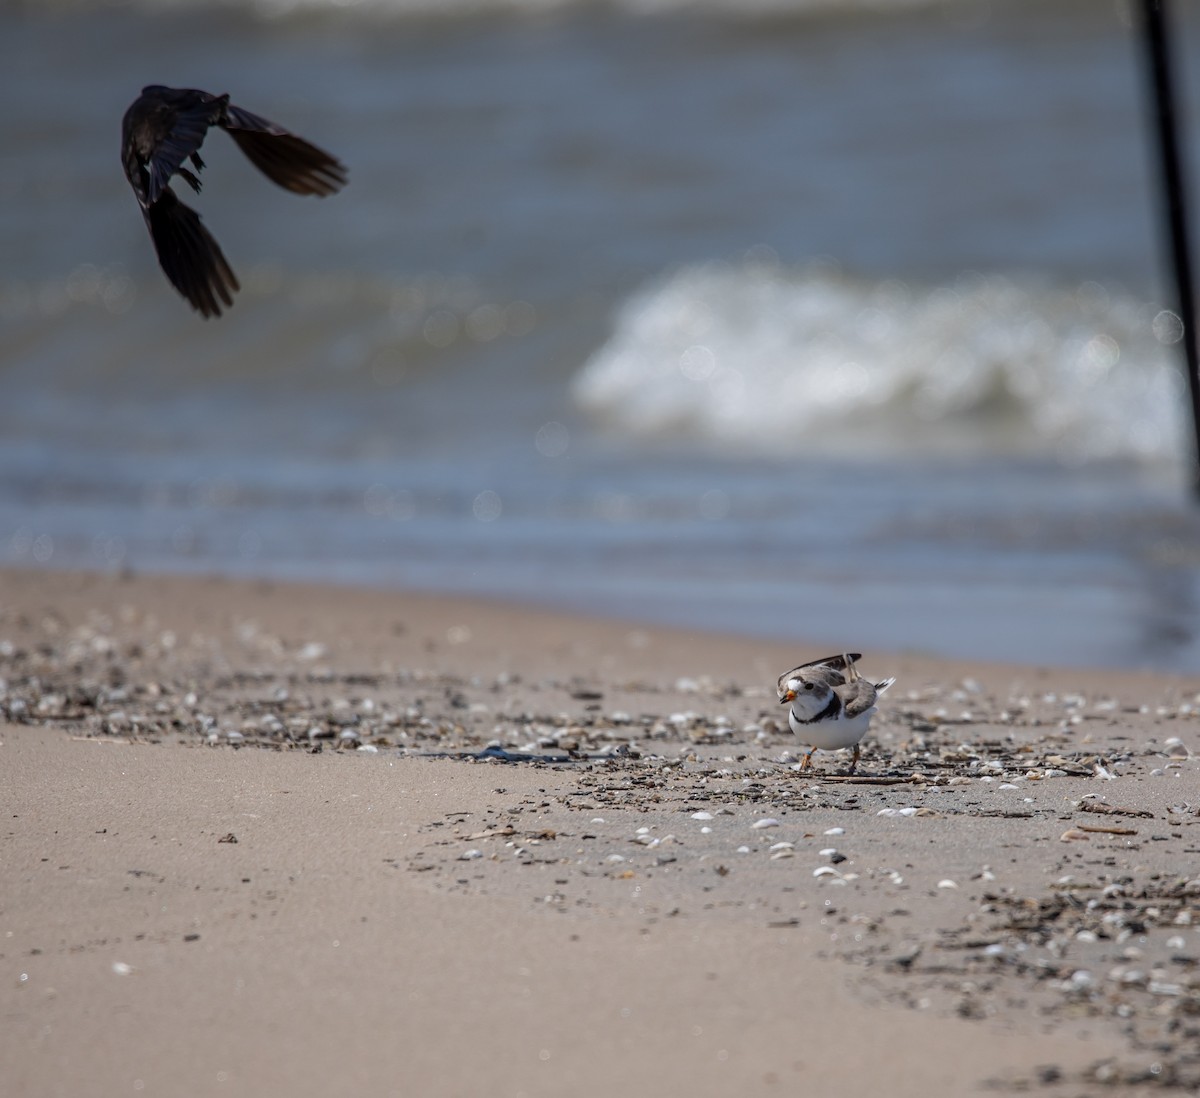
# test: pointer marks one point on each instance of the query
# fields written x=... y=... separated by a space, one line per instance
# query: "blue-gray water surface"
x=834 y=321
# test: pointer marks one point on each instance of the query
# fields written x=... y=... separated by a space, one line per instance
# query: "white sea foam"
x=760 y=358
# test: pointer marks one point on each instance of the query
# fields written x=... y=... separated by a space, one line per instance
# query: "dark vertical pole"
x=1158 y=63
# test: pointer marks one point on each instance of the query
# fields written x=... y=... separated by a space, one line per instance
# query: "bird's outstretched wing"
x=834 y=663
x=189 y=256
x=290 y=161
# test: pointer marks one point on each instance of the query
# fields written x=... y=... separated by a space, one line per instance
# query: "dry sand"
x=252 y=848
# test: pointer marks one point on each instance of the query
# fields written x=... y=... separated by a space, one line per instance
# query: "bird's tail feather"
x=290 y=161
x=880 y=687
x=189 y=256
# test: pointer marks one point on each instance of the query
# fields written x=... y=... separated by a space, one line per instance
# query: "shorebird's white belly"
x=831 y=735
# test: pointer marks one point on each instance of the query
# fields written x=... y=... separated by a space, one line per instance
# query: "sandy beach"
x=273 y=839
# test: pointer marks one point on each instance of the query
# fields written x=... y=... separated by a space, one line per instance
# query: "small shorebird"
x=163 y=128
x=831 y=704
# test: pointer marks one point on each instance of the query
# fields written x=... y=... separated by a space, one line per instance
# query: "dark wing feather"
x=290 y=161
x=189 y=256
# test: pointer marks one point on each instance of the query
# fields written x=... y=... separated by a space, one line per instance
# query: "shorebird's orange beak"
x=788 y=695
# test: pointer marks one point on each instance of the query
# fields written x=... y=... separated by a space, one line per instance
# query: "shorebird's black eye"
x=808 y=686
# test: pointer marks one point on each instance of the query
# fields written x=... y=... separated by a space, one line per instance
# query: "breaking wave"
x=758 y=358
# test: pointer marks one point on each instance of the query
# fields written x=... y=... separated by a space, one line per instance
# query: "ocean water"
x=837 y=320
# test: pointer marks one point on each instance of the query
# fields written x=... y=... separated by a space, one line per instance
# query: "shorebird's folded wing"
x=857 y=697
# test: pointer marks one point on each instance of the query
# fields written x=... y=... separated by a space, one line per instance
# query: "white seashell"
x=122 y=969
x=368 y=749
x=785 y=853
x=827 y=852
x=702 y=816
x=470 y=855
x=759 y=825
x=888 y=812
x=743 y=850
x=614 y=858
x=825 y=871
x=835 y=831
x=947 y=883
x=783 y=845
x=909 y=811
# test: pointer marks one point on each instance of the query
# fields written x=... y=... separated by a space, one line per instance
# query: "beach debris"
x=1099 y=807
x=492 y=832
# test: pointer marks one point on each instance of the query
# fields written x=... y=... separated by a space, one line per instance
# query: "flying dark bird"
x=163 y=129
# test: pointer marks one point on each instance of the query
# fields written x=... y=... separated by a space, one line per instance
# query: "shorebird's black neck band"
x=831 y=710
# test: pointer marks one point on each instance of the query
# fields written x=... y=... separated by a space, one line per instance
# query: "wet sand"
x=257 y=842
